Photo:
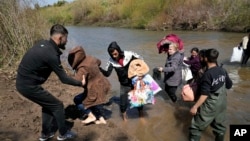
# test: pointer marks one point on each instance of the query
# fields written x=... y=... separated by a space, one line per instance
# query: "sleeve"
x=98 y=62
x=55 y=64
x=80 y=73
x=108 y=70
x=135 y=55
x=191 y=61
x=205 y=85
x=228 y=81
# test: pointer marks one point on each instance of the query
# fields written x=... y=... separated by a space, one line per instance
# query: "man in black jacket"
x=34 y=69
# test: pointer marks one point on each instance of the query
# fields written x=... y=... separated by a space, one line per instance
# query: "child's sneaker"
x=46 y=137
x=68 y=135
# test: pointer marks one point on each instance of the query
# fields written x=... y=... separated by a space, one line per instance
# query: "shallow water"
x=166 y=121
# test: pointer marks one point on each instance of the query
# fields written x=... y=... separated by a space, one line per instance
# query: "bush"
x=156 y=14
x=20 y=27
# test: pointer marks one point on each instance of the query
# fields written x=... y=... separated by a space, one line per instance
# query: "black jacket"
x=38 y=63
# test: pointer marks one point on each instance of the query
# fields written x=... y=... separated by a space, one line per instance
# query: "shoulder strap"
x=221 y=90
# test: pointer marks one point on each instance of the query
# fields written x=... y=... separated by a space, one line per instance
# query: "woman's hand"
x=185 y=58
x=160 y=69
x=83 y=80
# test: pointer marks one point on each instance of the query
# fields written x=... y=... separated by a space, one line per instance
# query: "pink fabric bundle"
x=168 y=39
x=189 y=92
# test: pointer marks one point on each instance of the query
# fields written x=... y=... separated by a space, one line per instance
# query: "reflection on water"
x=166 y=121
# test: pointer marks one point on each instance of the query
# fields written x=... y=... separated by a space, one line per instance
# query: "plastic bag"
x=186 y=73
x=236 y=55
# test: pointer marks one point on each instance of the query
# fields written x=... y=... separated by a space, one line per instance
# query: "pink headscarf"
x=170 y=38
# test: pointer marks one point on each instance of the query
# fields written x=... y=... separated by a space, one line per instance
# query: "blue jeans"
x=78 y=100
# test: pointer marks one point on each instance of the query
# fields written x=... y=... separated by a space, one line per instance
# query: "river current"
x=166 y=121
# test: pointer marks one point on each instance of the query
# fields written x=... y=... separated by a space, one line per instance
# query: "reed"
x=58 y=13
x=20 y=27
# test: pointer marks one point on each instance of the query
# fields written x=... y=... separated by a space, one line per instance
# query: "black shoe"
x=68 y=135
x=46 y=137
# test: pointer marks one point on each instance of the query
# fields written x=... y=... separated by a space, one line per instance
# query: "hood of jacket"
x=76 y=56
x=115 y=46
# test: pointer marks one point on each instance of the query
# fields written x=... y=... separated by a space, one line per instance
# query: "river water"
x=166 y=121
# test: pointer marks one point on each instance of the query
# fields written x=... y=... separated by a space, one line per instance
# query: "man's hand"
x=193 y=110
x=200 y=101
x=83 y=80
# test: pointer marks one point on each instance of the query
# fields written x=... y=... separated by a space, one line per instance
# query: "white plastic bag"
x=236 y=55
x=186 y=73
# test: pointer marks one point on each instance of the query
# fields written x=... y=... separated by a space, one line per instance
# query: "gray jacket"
x=172 y=70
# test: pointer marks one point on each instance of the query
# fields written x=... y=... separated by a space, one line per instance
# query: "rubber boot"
x=219 y=137
x=194 y=138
